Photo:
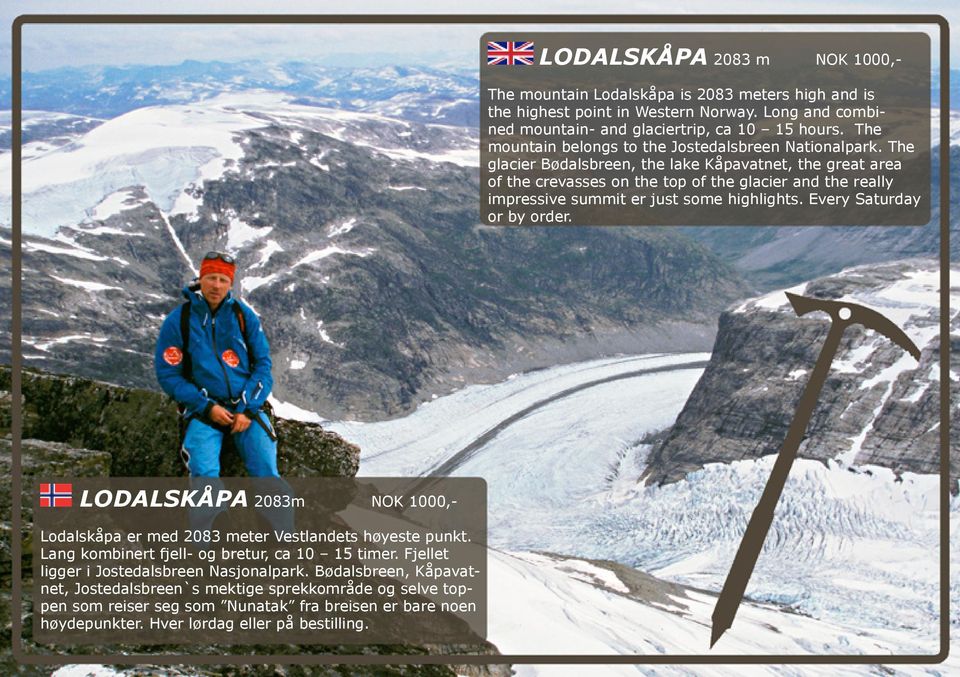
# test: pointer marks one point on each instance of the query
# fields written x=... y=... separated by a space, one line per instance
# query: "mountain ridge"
x=878 y=405
x=360 y=245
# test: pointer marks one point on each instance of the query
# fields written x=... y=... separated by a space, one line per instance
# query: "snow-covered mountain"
x=772 y=257
x=169 y=151
x=48 y=129
x=421 y=93
x=359 y=242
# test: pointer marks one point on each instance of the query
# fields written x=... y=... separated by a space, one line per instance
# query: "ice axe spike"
x=842 y=315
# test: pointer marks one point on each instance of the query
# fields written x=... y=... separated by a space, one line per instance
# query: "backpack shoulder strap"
x=241 y=320
x=266 y=407
x=185 y=339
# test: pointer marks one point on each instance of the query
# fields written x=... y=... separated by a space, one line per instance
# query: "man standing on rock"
x=212 y=357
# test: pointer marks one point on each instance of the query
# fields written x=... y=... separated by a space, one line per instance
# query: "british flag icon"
x=510 y=53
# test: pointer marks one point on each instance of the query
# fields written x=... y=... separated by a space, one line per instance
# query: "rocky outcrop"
x=139 y=429
x=877 y=407
x=37 y=457
x=93 y=429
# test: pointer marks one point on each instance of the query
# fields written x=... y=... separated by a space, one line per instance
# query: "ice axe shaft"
x=842 y=315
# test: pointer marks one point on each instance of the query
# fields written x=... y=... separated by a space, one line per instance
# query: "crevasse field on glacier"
x=850 y=565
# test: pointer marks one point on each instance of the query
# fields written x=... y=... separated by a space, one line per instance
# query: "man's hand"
x=240 y=423
x=221 y=416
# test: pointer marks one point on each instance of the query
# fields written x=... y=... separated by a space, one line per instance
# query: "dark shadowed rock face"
x=877 y=407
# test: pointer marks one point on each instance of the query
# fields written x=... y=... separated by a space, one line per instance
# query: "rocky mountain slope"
x=359 y=243
x=771 y=257
x=44 y=129
x=877 y=407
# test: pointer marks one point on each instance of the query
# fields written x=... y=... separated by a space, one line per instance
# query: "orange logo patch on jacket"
x=231 y=358
x=173 y=356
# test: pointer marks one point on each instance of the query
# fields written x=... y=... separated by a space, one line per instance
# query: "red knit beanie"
x=208 y=266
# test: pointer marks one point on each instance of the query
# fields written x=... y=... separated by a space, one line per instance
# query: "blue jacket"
x=222 y=371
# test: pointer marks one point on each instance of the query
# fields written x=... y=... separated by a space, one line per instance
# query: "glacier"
x=851 y=561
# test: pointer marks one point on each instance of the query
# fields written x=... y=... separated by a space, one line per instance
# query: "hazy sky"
x=62 y=45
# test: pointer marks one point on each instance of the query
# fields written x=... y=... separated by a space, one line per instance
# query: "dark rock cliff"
x=877 y=407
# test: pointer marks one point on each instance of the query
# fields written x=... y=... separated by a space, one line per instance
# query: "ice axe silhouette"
x=842 y=315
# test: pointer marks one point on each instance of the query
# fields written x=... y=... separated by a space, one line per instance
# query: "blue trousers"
x=202 y=443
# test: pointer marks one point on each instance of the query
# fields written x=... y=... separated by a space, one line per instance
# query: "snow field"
x=857 y=551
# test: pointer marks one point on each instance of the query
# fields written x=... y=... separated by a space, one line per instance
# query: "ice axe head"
x=852 y=313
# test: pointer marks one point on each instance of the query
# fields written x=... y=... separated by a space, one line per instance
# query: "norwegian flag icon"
x=56 y=495
x=510 y=53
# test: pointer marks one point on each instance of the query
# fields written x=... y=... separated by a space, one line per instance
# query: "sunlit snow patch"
x=269 y=248
x=116 y=203
x=46 y=344
x=251 y=282
x=293 y=412
x=86 y=671
x=241 y=233
x=772 y=301
x=319 y=254
x=324 y=336
x=85 y=284
x=342 y=227
x=72 y=250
